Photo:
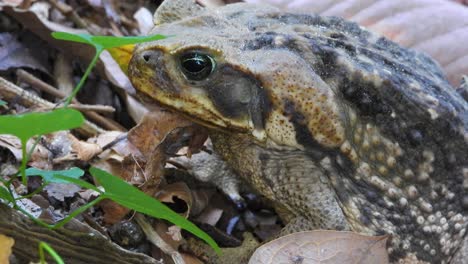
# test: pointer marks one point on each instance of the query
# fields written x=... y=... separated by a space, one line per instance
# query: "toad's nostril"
x=146 y=57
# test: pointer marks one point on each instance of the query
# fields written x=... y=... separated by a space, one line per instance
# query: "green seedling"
x=35 y=124
x=100 y=43
x=43 y=246
x=29 y=125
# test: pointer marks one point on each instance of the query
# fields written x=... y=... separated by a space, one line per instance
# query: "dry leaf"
x=15 y=54
x=169 y=234
x=113 y=212
x=84 y=150
x=10 y=3
x=179 y=190
x=153 y=128
x=13 y=144
x=210 y=216
x=323 y=246
x=6 y=244
x=43 y=28
x=144 y=17
x=39 y=157
x=61 y=190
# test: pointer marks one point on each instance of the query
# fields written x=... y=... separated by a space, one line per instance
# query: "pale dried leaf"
x=6 y=245
x=175 y=232
x=10 y=3
x=39 y=157
x=323 y=246
x=145 y=20
x=84 y=150
x=14 y=54
x=210 y=216
x=136 y=109
x=60 y=191
x=13 y=144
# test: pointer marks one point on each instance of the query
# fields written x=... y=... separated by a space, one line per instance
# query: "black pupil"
x=196 y=66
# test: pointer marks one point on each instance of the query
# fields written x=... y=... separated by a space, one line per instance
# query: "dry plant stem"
x=154 y=238
x=10 y=92
x=35 y=82
x=95 y=108
x=76 y=244
x=128 y=22
x=68 y=11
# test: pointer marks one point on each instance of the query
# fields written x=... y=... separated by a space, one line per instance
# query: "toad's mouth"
x=196 y=110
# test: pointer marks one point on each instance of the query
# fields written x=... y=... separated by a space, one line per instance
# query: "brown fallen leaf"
x=152 y=129
x=179 y=190
x=323 y=246
x=113 y=212
x=6 y=244
x=39 y=157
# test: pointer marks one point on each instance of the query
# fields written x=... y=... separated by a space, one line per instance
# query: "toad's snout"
x=148 y=58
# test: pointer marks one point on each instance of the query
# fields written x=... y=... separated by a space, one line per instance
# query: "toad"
x=340 y=128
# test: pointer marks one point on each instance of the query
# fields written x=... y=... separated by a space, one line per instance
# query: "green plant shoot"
x=28 y=125
x=100 y=43
x=43 y=246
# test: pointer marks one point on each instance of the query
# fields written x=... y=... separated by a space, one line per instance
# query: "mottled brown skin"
x=340 y=128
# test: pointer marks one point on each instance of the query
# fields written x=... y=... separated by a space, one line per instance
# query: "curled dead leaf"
x=179 y=190
x=323 y=246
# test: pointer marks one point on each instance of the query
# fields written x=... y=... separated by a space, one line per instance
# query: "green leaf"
x=2 y=102
x=27 y=125
x=132 y=198
x=104 y=42
x=43 y=246
x=50 y=175
x=5 y=194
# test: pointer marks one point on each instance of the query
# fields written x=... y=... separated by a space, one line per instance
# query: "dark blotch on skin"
x=236 y=94
x=303 y=135
x=364 y=98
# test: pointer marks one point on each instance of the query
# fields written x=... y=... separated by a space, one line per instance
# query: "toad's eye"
x=197 y=66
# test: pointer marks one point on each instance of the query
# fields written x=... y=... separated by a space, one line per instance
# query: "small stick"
x=94 y=108
x=11 y=92
x=68 y=11
x=43 y=86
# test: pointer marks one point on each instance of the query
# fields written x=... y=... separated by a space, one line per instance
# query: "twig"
x=10 y=92
x=94 y=108
x=154 y=238
x=35 y=82
x=68 y=11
